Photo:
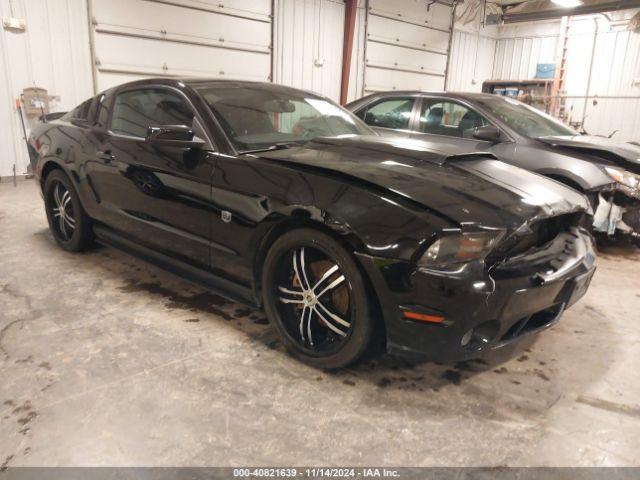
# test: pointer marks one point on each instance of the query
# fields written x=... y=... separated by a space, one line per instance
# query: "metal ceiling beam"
x=528 y=12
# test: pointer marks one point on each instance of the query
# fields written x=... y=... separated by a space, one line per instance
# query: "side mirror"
x=173 y=136
x=488 y=133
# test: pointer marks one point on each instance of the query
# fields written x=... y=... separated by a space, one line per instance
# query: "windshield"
x=257 y=118
x=524 y=119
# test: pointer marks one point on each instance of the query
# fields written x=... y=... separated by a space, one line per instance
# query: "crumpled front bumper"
x=483 y=308
x=618 y=211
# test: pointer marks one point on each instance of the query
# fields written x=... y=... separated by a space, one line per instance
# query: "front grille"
x=540 y=233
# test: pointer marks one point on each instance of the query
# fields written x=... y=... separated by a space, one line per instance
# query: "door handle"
x=106 y=156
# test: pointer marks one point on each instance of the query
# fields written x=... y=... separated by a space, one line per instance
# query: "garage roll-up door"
x=142 y=38
x=406 y=45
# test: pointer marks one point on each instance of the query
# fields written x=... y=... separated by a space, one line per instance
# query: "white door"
x=309 y=36
x=406 y=45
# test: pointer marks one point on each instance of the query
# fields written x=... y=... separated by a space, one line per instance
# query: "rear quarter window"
x=86 y=111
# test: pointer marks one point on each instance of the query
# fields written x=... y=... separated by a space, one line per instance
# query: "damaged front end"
x=530 y=277
x=616 y=203
x=617 y=212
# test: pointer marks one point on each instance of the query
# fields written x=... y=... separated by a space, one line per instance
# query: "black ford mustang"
x=279 y=198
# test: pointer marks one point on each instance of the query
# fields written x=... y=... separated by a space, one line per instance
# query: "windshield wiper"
x=275 y=146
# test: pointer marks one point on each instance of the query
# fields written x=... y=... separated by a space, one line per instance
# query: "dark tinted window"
x=449 y=118
x=390 y=113
x=137 y=110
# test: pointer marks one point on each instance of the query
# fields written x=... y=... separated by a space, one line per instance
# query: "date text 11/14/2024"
x=315 y=473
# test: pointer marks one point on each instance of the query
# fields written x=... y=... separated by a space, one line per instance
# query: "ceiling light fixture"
x=567 y=3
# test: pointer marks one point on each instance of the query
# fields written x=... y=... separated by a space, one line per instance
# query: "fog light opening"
x=480 y=337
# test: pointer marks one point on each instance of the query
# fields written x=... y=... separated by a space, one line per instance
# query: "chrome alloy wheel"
x=62 y=212
x=315 y=298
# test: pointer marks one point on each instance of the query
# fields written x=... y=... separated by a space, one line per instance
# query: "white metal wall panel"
x=406 y=45
x=471 y=61
x=517 y=58
x=53 y=52
x=613 y=101
x=137 y=38
x=309 y=37
x=521 y=47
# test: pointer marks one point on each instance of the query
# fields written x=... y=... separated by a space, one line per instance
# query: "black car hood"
x=462 y=186
x=625 y=155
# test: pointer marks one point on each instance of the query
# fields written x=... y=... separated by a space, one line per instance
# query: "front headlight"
x=624 y=177
x=460 y=248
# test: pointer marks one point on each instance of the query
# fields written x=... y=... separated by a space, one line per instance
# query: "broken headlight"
x=624 y=177
x=460 y=248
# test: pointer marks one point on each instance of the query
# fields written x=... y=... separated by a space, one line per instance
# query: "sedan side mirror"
x=488 y=133
x=173 y=136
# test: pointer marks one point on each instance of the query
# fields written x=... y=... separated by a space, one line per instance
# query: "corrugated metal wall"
x=53 y=53
x=613 y=101
x=520 y=48
x=308 y=45
x=471 y=61
x=398 y=44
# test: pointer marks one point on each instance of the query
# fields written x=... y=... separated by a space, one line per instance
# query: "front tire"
x=68 y=222
x=316 y=297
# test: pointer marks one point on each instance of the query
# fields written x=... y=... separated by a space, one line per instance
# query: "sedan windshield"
x=524 y=119
x=257 y=118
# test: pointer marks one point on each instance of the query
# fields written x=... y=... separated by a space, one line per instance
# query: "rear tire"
x=315 y=295
x=68 y=222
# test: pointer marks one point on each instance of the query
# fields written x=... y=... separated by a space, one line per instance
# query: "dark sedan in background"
x=607 y=171
x=281 y=199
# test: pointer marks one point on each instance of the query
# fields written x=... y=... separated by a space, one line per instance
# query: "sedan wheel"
x=316 y=297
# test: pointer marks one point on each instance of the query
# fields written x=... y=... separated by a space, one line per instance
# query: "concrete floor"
x=105 y=360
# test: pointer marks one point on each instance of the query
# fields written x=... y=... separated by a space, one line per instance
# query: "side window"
x=449 y=118
x=392 y=113
x=136 y=110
